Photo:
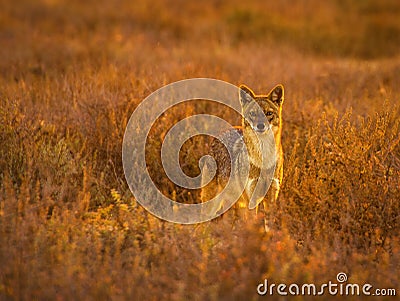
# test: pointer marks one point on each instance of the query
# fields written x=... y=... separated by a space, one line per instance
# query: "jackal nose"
x=261 y=127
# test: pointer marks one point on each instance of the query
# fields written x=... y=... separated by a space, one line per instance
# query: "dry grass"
x=71 y=75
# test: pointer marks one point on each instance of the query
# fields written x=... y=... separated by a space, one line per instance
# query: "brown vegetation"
x=71 y=74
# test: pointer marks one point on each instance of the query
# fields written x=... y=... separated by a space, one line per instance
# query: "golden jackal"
x=254 y=133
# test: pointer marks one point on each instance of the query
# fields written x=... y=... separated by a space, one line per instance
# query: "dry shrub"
x=342 y=178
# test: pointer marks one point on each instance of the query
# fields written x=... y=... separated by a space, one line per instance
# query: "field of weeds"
x=72 y=73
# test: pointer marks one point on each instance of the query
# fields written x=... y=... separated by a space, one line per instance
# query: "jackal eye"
x=252 y=114
x=269 y=113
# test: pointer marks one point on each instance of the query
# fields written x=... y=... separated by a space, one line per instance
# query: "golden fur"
x=271 y=105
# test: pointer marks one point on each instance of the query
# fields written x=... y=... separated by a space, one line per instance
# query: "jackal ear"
x=246 y=94
x=276 y=95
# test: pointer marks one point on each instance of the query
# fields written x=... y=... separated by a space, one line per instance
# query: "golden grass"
x=71 y=75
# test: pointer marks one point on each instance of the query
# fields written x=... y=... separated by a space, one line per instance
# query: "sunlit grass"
x=71 y=75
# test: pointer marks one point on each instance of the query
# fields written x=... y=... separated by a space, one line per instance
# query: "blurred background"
x=49 y=34
x=305 y=44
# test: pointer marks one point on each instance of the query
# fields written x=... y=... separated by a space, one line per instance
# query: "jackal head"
x=262 y=112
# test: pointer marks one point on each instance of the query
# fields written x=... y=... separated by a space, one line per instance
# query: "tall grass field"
x=72 y=73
